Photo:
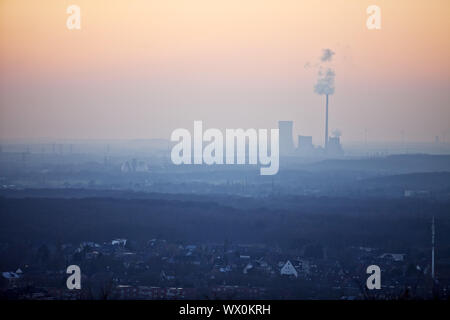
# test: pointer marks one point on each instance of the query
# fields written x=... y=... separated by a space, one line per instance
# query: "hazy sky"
x=141 y=68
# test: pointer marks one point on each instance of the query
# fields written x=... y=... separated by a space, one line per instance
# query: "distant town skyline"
x=140 y=69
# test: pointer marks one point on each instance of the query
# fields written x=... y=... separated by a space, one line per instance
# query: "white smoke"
x=337 y=133
x=327 y=55
x=325 y=80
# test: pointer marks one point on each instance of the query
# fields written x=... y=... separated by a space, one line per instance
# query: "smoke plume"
x=325 y=82
x=327 y=55
x=325 y=79
x=337 y=133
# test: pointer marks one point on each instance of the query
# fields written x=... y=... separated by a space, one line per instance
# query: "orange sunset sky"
x=141 y=68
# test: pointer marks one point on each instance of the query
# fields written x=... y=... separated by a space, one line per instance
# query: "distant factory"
x=305 y=145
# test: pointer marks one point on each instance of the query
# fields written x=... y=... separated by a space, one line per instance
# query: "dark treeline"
x=389 y=223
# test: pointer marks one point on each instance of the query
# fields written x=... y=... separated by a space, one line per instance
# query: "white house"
x=119 y=242
x=247 y=268
x=289 y=270
x=393 y=256
x=11 y=278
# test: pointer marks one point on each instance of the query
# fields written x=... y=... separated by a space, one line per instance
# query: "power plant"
x=305 y=145
x=286 y=142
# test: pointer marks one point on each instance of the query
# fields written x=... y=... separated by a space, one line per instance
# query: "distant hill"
x=424 y=180
x=395 y=164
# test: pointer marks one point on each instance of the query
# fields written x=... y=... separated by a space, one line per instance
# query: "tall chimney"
x=326 y=127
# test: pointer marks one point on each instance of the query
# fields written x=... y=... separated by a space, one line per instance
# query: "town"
x=158 y=269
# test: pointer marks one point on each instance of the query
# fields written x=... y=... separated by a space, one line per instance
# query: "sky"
x=142 y=68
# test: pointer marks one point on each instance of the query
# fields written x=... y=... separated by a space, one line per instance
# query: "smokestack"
x=325 y=85
x=326 y=126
